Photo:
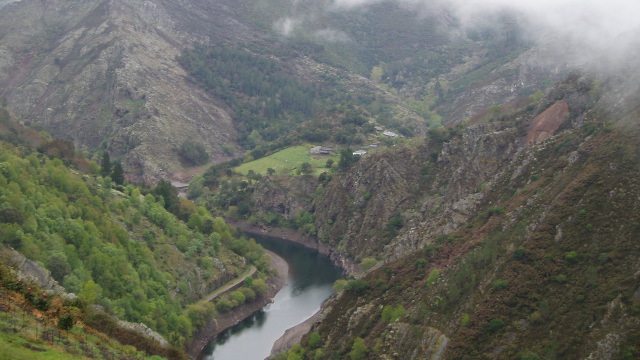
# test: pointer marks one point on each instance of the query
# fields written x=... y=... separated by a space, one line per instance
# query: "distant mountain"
x=105 y=73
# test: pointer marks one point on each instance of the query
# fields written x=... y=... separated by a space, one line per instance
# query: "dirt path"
x=228 y=286
x=226 y=320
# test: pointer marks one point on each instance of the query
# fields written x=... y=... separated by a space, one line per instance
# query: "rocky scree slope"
x=101 y=73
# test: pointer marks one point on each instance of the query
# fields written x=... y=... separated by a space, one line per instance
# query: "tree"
x=193 y=153
x=358 y=350
x=305 y=168
x=117 y=174
x=376 y=74
x=347 y=159
x=329 y=163
x=169 y=194
x=105 y=165
x=259 y=286
x=90 y=292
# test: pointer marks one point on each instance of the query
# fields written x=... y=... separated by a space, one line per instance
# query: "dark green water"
x=311 y=276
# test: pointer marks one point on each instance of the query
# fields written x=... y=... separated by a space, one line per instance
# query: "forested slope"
x=113 y=246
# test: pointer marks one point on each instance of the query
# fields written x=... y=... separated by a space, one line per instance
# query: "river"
x=311 y=276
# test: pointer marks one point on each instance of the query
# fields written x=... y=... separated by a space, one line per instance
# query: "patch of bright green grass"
x=288 y=160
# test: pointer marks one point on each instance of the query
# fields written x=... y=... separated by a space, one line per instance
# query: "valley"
x=472 y=170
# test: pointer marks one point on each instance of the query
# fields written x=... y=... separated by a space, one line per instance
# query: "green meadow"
x=288 y=160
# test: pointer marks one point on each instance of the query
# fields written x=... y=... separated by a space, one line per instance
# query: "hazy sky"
x=596 y=21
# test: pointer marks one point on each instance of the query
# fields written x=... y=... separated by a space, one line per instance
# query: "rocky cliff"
x=508 y=248
x=104 y=73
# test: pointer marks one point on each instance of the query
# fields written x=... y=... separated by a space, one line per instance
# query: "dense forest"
x=120 y=247
x=267 y=101
x=273 y=107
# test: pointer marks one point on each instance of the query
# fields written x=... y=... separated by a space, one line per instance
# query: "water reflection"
x=311 y=276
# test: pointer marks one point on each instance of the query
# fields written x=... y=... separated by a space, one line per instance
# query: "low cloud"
x=287 y=26
x=598 y=23
x=331 y=35
x=587 y=28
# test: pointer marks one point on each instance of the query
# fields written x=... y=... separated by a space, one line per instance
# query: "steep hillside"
x=511 y=249
x=141 y=254
x=106 y=75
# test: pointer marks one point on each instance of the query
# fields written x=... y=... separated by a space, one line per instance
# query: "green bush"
x=315 y=340
x=358 y=350
x=237 y=297
x=500 y=284
x=421 y=264
x=357 y=287
x=223 y=305
x=192 y=153
x=561 y=279
x=464 y=321
x=530 y=356
x=367 y=263
x=519 y=253
x=571 y=256
x=392 y=313
x=65 y=322
x=495 y=325
x=432 y=278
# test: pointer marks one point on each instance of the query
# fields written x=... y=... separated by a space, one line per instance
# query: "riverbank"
x=294 y=334
x=297 y=237
x=234 y=316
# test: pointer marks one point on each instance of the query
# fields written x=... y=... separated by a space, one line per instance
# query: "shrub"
x=315 y=340
x=356 y=286
x=237 y=297
x=433 y=277
x=65 y=322
x=530 y=356
x=535 y=317
x=496 y=325
x=339 y=285
x=248 y=293
x=500 y=284
x=571 y=256
x=561 y=279
x=392 y=312
x=367 y=263
x=358 y=350
x=464 y=321
x=259 y=286
x=519 y=253
x=223 y=305
x=41 y=303
x=192 y=153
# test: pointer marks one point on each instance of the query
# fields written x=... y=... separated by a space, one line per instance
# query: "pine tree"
x=117 y=174
x=105 y=165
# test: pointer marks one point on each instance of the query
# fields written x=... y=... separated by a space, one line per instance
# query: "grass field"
x=288 y=160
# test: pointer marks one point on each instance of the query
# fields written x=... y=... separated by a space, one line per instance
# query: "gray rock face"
x=145 y=330
x=30 y=271
x=108 y=71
